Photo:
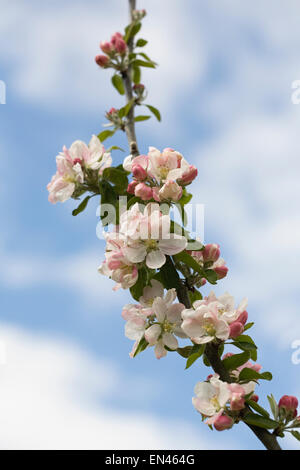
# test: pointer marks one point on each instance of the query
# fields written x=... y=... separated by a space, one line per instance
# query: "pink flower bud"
x=155 y=192
x=237 y=402
x=139 y=172
x=138 y=87
x=211 y=252
x=236 y=329
x=106 y=47
x=189 y=175
x=121 y=46
x=143 y=191
x=102 y=60
x=209 y=377
x=223 y=422
x=171 y=190
x=255 y=398
x=112 y=111
x=131 y=187
x=243 y=318
x=115 y=37
x=221 y=271
x=289 y=404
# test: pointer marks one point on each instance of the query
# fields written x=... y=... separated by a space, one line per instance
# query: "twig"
x=126 y=76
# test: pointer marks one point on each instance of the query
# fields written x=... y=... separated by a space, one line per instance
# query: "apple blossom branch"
x=156 y=258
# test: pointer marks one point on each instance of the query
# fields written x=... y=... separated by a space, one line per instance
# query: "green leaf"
x=125 y=110
x=169 y=275
x=260 y=421
x=154 y=111
x=211 y=276
x=131 y=30
x=273 y=406
x=246 y=343
x=296 y=434
x=187 y=259
x=115 y=147
x=195 y=295
x=118 y=84
x=248 y=374
x=235 y=361
x=185 y=198
x=105 y=134
x=117 y=177
x=141 y=42
x=196 y=352
x=143 y=63
x=141 y=118
x=81 y=206
x=136 y=74
x=137 y=290
x=248 y=326
x=185 y=352
x=141 y=346
x=146 y=57
x=256 y=407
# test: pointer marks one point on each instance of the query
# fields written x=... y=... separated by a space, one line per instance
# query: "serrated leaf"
x=248 y=326
x=118 y=84
x=154 y=111
x=185 y=352
x=125 y=110
x=260 y=421
x=141 y=42
x=136 y=74
x=273 y=406
x=81 y=206
x=115 y=147
x=105 y=134
x=196 y=352
x=141 y=118
x=141 y=346
x=248 y=374
x=117 y=177
x=256 y=407
x=296 y=434
x=137 y=289
x=187 y=259
x=235 y=361
x=143 y=63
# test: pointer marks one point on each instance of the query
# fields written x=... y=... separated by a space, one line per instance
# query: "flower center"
x=210 y=329
x=163 y=171
x=215 y=403
x=151 y=244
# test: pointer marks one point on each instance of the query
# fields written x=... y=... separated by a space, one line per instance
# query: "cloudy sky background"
x=224 y=89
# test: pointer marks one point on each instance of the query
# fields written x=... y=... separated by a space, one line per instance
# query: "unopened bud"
x=138 y=15
x=139 y=173
x=223 y=422
x=131 y=187
x=189 y=175
x=143 y=191
x=236 y=329
x=211 y=252
x=106 y=47
x=288 y=406
x=237 y=402
x=102 y=60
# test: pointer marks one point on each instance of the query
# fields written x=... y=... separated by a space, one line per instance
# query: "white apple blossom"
x=168 y=317
x=211 y=398
x=63 y=183
x=202 y=325
x=148 y=236
x=223 y=306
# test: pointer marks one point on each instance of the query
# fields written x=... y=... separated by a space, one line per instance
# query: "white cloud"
x=52 y=396
x=249 y=183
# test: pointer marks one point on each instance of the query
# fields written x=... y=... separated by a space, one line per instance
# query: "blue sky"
x=224 y=88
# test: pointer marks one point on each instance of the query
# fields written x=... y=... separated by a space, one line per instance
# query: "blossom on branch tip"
x=165 y=173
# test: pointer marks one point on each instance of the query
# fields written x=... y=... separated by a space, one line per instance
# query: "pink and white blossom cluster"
x=209 y=258
x=156 y=318
x=73 y=165
x=214 y=318
x=142 y=239
x=159 y=175
x=215 y=398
